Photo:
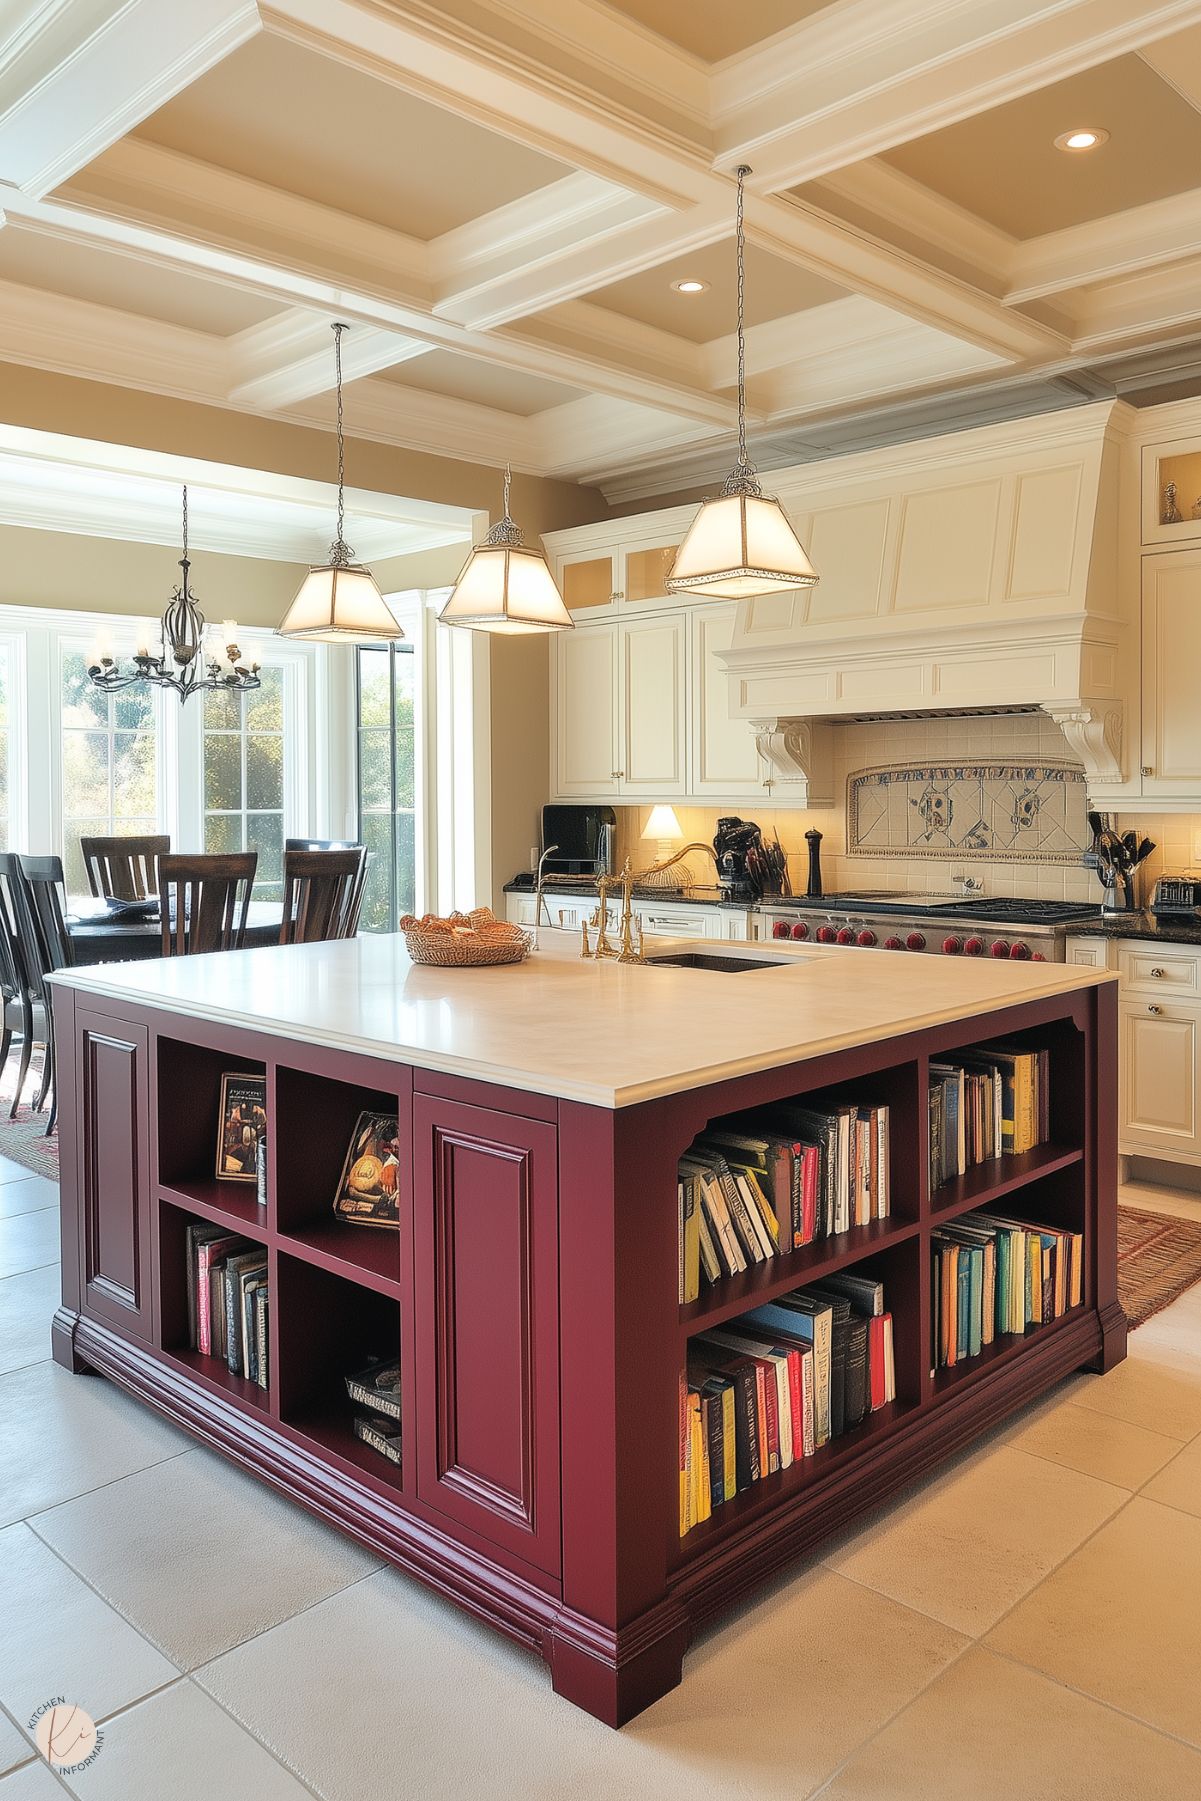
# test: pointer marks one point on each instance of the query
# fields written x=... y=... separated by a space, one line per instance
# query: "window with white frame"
x=6 y=730
x=244 y=787
x=108 y=761
x=387 y=780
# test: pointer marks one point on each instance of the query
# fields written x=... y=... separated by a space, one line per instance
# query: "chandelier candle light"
x=183 y=655
x=505 y=585
x=340 y=601
x=740 y=543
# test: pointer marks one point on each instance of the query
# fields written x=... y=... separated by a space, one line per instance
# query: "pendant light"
x=740 y=543
x=340 y=601
x=506 y=586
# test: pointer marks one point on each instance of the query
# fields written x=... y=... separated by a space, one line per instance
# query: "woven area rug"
x=1158 y=1258
x=24 y=1138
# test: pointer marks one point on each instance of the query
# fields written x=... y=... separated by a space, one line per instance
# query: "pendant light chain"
x=742 y=478
x=340 y=552
x=506 y=530
x=185 y=523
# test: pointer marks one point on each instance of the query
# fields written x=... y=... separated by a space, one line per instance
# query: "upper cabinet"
x=1171 y=659
x=724 y=757
x=1171 y=492
x=604 y=578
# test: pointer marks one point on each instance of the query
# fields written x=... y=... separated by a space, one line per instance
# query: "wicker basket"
x=465 y=941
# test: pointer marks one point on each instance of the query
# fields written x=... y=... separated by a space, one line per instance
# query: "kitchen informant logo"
x=67 y=1737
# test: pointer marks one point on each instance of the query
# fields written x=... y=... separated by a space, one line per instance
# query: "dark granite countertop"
x=586 y=890
x=1139 y=925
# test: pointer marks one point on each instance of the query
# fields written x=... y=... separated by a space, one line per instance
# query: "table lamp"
x=664 y=830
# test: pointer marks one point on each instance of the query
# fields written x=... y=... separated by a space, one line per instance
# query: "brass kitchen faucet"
x=627 y=881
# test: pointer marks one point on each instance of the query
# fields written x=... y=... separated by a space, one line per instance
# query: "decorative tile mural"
x=1018 y=812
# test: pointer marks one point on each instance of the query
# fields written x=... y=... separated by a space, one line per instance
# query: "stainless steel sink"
x=715 y=960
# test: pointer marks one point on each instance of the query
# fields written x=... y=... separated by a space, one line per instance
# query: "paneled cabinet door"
x=585 y=711
x=485 y=1242
x=114 y=1171
x=1160 y=1078
x=653 y=696
x=1171 y=659
x=725 y=759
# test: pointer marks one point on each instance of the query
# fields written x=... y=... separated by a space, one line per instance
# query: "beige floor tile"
x=1120 y=1621
x=29 y=1196
x=61 y=1639
x=1172 y=1337
x=15 y=1748
x=200 y=1556
x=1177 y=1203
x=33 y=1782
x=991 y=1731
x=27 y=1304
x=29 y=1241
x=11 y=1171
x=971 y=1544
x=1152 y=1388
x=1178 y=1484
x=1095 y=1443
x=180 y=1746
x=64 y=1434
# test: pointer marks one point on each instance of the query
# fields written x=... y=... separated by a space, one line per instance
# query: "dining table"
x=99 y=935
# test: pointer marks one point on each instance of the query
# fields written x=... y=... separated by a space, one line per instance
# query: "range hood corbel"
x=799 y=756
x=1094 y=735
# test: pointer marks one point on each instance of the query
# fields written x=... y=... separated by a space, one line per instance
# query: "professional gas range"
x=936 y=924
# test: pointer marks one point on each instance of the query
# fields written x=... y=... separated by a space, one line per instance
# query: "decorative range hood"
x=973 y=573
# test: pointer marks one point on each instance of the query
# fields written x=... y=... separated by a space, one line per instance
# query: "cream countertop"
x=601 y=1033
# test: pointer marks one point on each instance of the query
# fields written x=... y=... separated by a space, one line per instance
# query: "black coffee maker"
x=738 y=846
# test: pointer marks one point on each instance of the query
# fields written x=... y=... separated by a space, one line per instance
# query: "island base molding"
x=530 y=1294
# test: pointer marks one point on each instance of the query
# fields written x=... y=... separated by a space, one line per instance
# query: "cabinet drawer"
x=1151 y=967
x=675 y=922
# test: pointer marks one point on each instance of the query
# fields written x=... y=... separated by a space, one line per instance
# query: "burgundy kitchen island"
x=531 y=1290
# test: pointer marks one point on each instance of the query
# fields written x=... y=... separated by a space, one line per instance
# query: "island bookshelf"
x=530 y=1293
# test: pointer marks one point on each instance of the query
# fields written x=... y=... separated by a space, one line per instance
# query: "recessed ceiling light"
x=690 y=286
x=1085 y=137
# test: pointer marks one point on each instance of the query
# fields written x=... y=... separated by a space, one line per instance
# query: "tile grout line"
x=1071 y=1689
x=19 y=1368
x=34 y=1757
x=319 y=1794
x=28 y=1519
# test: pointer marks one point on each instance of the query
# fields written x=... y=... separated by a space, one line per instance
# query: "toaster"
x=1177 y=895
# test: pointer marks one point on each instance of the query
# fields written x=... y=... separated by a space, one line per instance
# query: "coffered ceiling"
x=498 y=196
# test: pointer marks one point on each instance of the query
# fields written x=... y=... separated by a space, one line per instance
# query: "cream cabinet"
x=619 y=710
x=724 y=759
x=1159 y=1079
x=1171 y=659
x=640 y=712
x=615 y=577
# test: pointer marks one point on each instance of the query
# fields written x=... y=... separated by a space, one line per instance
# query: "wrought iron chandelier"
x=741 y=542
x=183 y=656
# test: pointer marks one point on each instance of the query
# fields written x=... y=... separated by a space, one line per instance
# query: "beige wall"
x=105 y=575
x=56 y=569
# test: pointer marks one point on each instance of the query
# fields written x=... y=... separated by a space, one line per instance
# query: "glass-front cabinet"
x=1171 y=492
x=603 y=581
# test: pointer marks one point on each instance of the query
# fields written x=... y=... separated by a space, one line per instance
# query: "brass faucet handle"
x=584 y=950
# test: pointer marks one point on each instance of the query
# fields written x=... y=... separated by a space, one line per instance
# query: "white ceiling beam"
x=600 y=432
x=291 y=358
x=875 y=73
x=899 y=203
x=82 y=73
x=1139 y=309
x=1126 y=243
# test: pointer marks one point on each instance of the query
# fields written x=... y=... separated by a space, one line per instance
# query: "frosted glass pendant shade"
x=738 y=545
x=337 y=602
x=506 y=588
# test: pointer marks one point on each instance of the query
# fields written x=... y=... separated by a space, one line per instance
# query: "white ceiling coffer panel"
x=968 y=573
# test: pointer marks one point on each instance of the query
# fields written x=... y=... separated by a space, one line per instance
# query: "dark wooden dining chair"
x=45 y=894
x=126 y=868
x=322 y=894
x=20 y=975
x=204 y=900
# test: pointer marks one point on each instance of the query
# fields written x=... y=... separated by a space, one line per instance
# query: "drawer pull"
x=1153 y=1008
x=1158 y=972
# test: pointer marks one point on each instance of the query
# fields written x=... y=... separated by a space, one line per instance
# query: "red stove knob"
x=1037 y=957
x=845 y=935
x=998 y=948
x=825 y=934
x=893 y=944
x=952 y=946
x=916 y=941
x=866 y=938
x=800 y=929
x=974 y=947
x=1019 y=952
x=780 y=929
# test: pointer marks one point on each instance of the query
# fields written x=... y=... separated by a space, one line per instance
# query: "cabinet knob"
x=1157 y=972
x=1152 y=1007
x=617 y=594
x=1148 y=769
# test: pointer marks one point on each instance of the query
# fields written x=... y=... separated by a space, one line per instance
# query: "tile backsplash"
x=1015 y=741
